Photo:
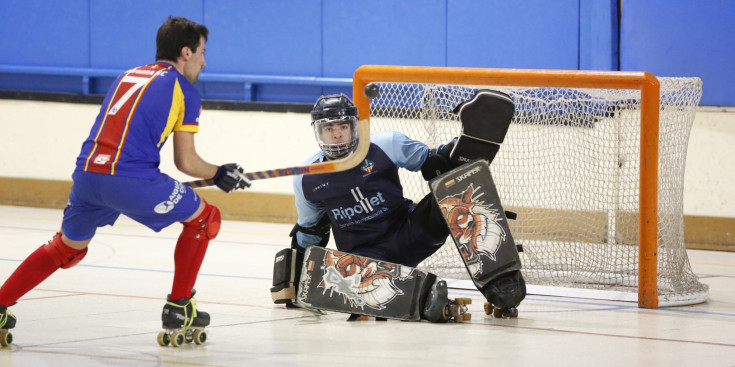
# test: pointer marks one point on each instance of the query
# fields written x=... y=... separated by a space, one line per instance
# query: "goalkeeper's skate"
x=437 y=307
x=7 y=322
x=183 y=323
x=501 y=312
x=342 y=282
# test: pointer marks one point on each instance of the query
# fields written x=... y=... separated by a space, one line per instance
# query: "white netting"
x=570 y=167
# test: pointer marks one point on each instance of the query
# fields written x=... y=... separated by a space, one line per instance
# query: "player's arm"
x=312 y=229
x=402 y=150
x=187 y=159
x=438 y=161
x=227 y=177
x=312 y=226
x=414 y=155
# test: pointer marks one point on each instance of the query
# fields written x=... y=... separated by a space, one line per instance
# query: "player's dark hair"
x=176 y=33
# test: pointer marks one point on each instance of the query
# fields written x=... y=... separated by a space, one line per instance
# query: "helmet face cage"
x=339 y=149
x=336 y=110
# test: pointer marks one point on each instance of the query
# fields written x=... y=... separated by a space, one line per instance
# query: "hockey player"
x=117 y=173
x=364 y=206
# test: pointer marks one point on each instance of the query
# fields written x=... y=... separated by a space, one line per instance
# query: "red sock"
x=189 y=254
x=32 y=271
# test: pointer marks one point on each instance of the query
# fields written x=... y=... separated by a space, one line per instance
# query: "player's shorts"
x=97 y=200
x=418 y=237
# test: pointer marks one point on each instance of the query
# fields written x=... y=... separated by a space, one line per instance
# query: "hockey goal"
x=593 y=164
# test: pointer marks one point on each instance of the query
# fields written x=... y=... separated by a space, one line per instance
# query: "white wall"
x=42 y=139
x=710 y=167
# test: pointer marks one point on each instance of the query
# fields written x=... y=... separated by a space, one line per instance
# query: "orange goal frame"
x=643 y=81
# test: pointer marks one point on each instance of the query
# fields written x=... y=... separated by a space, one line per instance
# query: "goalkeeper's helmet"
x=334 y=119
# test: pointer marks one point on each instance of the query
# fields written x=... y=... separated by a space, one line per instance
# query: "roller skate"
x=501 y=312
x=183 y=323
x=504 y=294
x=439 y=308
x=7 y=322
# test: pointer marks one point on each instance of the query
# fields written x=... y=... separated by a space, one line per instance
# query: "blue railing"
x=249 y=81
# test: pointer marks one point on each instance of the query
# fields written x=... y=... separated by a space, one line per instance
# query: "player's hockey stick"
x=363 y=131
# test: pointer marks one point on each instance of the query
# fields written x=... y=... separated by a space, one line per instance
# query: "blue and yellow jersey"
x=141 y=109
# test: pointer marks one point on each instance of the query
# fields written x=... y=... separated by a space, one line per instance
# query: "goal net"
x=570 y=167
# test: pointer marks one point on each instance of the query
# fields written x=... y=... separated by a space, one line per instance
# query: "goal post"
x=577 y=126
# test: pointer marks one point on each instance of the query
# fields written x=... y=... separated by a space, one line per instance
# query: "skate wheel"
x=199 y=336
x=488 y=308
x=177 y=339
x=163 y=339
x=466 y=316
x=6 y=338
x=463 y=301
x=357 y=317
x=506 y=313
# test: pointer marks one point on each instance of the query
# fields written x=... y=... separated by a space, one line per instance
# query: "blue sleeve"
x=309 y=214
x=402 y=150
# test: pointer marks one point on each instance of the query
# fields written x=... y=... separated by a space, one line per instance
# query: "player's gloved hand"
x=230 y=177
x=438 y=161
x=445 y=149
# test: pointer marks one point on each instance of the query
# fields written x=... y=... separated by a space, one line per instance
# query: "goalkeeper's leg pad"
x=286 y=275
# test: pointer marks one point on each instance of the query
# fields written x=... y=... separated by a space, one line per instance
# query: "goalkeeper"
x=364 y=206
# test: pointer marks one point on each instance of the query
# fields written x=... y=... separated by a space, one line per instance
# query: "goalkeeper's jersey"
x=141 y=109
x=364 y=204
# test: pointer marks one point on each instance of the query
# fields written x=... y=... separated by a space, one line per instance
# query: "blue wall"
x=683 y=38
x=331 y=38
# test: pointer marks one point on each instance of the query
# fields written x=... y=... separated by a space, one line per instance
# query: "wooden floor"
x=106 y=312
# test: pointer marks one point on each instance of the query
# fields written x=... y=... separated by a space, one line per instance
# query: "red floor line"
x=49 y=297
x=76 y=293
